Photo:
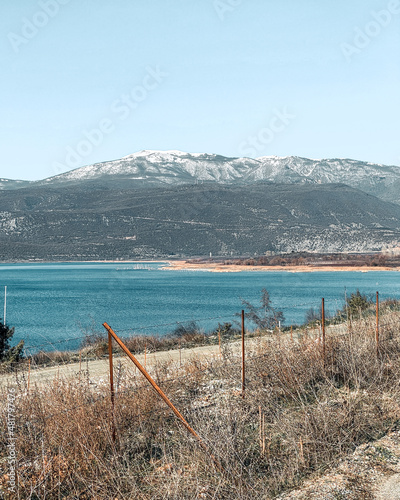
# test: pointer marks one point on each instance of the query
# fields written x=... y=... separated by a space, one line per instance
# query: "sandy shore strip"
x=215 y=267
x=218 y=267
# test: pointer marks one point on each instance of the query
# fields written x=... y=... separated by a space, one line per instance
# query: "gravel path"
x=100 y=368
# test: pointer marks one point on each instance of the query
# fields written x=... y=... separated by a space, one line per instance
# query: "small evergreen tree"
x=356 y=304
x=7 y=353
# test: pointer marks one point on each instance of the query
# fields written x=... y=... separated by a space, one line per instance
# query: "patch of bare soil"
x=372 y=472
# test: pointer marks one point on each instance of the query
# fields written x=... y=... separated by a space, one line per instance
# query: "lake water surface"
x=51 y=306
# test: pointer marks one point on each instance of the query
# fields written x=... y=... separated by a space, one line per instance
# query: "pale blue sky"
x=206 y=76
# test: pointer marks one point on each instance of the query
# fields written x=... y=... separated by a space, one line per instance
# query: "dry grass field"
x=300 y=415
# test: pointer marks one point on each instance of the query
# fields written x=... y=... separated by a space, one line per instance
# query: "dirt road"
x=100 y=368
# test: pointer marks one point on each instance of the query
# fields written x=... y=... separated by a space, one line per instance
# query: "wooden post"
x=291 y=333
x=323 y=332
x=219 y=342
x=263 y=433
x=87 y=370
x=180 y=352
x=243 y=358
x=347 y=311
x=5 y=306
x=301 y=451
x=260 y=429
x=110 y=358
x=118 y=376
x=145 y=353
x=377 y=325
x=80 y=366
x=29 y=372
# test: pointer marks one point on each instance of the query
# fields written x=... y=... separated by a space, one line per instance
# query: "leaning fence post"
x=377 y=324
x=110 y=358
x=161 y=393
x=243 y=357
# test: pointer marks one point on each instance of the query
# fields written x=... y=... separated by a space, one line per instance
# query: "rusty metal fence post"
x=243 y=358
x=110 y=358
x=161 y=393
x=323 y=332
x=377 y=325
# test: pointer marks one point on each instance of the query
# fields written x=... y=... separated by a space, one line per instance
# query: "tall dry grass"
x=298 y=417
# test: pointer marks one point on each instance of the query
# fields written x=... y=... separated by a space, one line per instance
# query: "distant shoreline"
x=232 y=268
x=216 y=267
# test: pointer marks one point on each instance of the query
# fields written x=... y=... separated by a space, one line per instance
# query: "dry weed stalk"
x=298 y=417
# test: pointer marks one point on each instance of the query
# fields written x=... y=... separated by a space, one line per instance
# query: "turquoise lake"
x=52 y=306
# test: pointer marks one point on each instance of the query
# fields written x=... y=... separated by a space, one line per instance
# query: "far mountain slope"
x=184 y=221
x=13 y=184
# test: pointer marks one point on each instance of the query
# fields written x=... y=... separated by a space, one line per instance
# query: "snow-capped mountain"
x=163 y=167
x=158 y=204
x=381 y=180
x=160 y=168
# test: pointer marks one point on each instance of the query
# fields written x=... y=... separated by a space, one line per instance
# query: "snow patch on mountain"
x=150 y=168
x=180 y=167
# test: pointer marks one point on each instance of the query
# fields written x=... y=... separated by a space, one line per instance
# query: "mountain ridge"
x=150 y=168
x=156 y=204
